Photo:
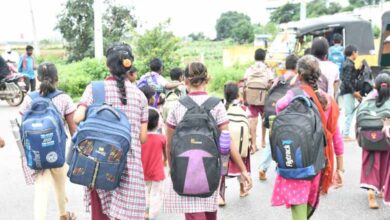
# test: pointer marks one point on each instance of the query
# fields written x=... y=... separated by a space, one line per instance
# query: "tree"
x=242 y=32
x=228 y=26
x=117 y=24
x=286 y=13
x=269 y=28
x=291 y=12
x=76 y=23
x=76 y=26
x=197 y=36
x=157 y=43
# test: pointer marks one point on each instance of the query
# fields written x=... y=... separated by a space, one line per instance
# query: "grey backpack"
x=297 y=139
x=196 y=164
x=369 y=125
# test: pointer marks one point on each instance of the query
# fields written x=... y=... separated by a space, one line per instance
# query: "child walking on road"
x=302 y=195
x=153 y=157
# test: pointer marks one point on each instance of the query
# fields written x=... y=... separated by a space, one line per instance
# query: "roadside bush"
x=75 y=77
x=221 y=75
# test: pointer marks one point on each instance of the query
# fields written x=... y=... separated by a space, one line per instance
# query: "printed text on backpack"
x=298 y=140
x=43 y=133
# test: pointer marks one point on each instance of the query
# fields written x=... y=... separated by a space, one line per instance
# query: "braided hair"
x=196 y=73
x=309 y=70
x=119 y=61
x=48 y=76
x=230 y=93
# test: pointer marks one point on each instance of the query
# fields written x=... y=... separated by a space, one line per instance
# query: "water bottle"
x=271 y=121
x=16 y=132
x=224 y=150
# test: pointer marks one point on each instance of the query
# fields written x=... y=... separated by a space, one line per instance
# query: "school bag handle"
x=303 y=98
x=104 y=108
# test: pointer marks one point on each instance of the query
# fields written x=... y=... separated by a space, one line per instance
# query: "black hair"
x=176 y=73
x=337 y=38
x=349 y=50
x=260 y=54
x=132 y=70
x=196 y=73
x=230 y=92
x=119 y=61
x=29 y=47
x=153 y=119
x=291 y=62
x=308 y=68
x=382 y=85
x=148 y=91
x=320 y=48
x=156 y=65
x=307 y=51
x=48 y=76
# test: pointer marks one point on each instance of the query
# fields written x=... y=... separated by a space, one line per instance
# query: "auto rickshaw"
x=295 y=37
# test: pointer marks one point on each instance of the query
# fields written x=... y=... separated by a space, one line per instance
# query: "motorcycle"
x=13 y=89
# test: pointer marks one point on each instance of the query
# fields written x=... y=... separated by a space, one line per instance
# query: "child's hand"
x=246 y=179
x=338 y=179
x=2 y=143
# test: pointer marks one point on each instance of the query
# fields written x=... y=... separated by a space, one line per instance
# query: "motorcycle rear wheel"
x=18 y=100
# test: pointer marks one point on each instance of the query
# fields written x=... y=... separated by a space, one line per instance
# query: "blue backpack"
x=43 y=133
x=337 y=57
x=100 y=146
x=151 y=80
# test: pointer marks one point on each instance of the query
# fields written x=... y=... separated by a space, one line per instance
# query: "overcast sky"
x=187 y=16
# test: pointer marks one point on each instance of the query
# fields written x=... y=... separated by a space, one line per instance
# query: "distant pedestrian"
x=336 y=52
x=319 y=49
x=27 y=67
x=155 y=79
x=239 y=129
x=291 y=77
x=348 y=89
x=257 y=80
x=375 y=172
x=132 y=74
x=43 y=179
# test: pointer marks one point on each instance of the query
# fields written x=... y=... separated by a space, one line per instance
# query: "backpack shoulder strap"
x=54 y=94
x=98 y=92
x=188 y=102
x=210 y=103
x=33 y=95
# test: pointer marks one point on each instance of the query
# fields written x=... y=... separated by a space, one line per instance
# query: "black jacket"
x=348 y=78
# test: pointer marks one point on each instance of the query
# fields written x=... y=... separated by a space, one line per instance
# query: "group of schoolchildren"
x=152 y=126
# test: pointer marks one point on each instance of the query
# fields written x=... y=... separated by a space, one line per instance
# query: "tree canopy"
x=234 y=25
x=76 y=24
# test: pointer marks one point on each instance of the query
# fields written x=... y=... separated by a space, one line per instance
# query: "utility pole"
x=303 y=10
x=37 y=51
x=98 y=29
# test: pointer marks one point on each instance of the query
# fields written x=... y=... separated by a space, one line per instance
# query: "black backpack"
x=298 y=140
x=274 y=94
x=365 y=80
x=196 y=163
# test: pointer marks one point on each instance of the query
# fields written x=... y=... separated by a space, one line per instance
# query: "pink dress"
x=290 y=192
x=378 y=177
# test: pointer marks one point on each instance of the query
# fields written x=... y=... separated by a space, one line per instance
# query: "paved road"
x=347 y=203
